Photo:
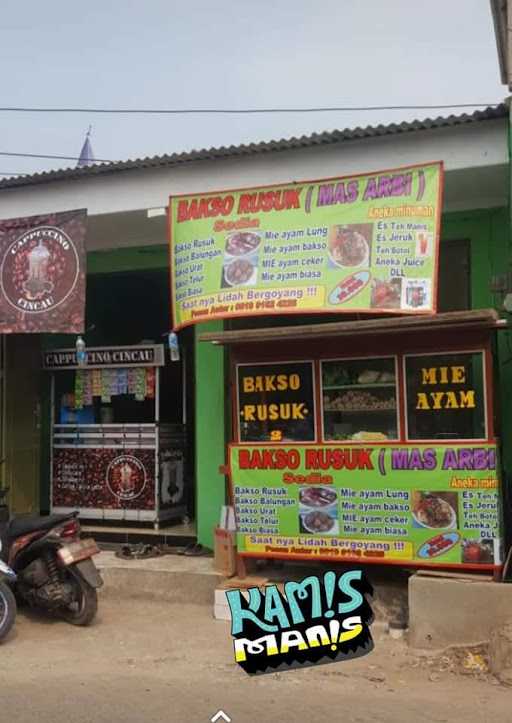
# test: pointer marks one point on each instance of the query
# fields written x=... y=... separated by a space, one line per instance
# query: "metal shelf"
x=359 y=411
x=376 y=385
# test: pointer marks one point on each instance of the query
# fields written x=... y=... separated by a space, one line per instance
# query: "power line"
x=178 y=111
x=245 y=111
x=60 y=158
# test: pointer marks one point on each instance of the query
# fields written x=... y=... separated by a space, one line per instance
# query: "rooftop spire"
x=86 y=154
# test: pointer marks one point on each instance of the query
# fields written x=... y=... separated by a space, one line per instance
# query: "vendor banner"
x=363 y=243
x=42 y=273
x=420 y=504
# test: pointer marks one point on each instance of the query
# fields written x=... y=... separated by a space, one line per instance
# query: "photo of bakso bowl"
x=348 y=248
x=240 y=272
x=434 y=513
x=242 y=243
x=317 y=496
x=318 y=522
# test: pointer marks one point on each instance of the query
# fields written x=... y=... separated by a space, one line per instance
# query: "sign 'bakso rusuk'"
x=103 y=357
x=42 y=273
x=366 y=243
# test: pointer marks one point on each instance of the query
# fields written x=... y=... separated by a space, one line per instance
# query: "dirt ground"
x=155 y=662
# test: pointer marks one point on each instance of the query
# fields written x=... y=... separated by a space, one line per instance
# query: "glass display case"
x=359 y=398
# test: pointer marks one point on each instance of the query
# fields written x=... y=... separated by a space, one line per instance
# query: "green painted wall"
x=489 y=233
x=210 y=433
x=148 y=258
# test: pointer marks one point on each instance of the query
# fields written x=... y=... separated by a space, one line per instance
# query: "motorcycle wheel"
x=7 y=610
x=83 y=610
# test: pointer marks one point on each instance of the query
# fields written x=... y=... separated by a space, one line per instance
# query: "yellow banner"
x=243 y=302
x=367 y=243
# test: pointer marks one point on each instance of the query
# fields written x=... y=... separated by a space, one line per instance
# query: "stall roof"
x=460 y=320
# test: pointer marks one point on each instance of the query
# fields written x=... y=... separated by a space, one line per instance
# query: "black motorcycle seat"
x=24 y=525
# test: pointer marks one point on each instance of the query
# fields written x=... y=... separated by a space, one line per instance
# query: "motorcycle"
x=54 y=566
x=7 y=600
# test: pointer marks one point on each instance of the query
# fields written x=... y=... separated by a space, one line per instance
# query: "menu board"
x=359 y=243
x=445 y=396
x=276 y=402
x=409 y=504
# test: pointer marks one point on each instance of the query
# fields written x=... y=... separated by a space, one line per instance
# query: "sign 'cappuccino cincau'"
x=42 y=273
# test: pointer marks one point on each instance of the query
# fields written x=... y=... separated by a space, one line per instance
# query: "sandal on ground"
x=171 y=549
x=125 y=552
x=148 y=551
x=138 y=552
x=195 y=550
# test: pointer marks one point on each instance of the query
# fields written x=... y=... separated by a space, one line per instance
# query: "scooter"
x=54 y=566
x=7 y=600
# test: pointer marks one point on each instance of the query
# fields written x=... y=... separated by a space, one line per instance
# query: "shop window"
x=360 y=400
x=445 y=396
x=276 y=402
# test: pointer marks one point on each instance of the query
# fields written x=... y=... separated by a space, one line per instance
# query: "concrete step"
x=170 y=578
x=111 y=535
x=178 y=578
x=456 y=611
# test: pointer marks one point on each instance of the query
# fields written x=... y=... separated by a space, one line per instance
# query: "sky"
x=227 y=53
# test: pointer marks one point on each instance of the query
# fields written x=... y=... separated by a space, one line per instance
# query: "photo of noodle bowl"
x=240 y=272
x=318 y=522
x=349 y=247
x=241 y=243
x=434 y=511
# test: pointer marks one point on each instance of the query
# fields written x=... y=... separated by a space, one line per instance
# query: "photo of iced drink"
x=424 y=241
x=127 y=484
x=37 y=283
x=415 y=296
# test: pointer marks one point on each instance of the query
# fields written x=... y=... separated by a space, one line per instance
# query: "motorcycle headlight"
x=6 y=570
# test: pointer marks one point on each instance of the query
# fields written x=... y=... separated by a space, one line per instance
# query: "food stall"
x=372 y=441
x=111 y=457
